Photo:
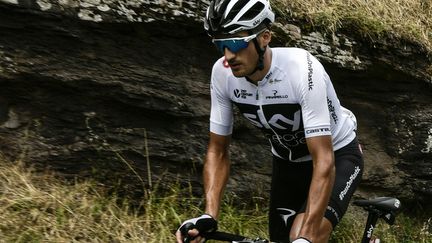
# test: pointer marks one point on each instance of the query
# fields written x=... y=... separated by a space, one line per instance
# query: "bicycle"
x=380 y=207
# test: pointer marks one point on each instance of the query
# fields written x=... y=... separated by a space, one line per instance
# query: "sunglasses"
x=233 y=44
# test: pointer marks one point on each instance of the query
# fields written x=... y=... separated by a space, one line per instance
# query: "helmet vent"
x=236 y=9
x=252 y=12
x=227 y=17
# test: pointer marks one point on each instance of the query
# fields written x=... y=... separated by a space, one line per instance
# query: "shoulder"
x=220 y=75
x=291 y=61
x=221 y=69
x=296 y=61
x=293 y=55
x=289 y=51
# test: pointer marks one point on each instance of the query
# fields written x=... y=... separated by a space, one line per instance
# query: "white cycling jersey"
x=295 y=100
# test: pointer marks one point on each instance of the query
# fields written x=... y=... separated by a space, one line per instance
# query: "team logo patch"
x=237 y=93
x=276 y=95
x=241 y=93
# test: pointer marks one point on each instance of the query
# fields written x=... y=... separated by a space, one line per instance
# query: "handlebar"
x=233 y=238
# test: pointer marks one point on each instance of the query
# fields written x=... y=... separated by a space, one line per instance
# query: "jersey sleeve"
x=221 y=114
x=313 y=99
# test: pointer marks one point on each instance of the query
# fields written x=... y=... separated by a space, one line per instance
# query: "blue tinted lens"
x=232 y=45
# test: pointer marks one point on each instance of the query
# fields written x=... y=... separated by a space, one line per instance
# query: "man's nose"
x=228 y=54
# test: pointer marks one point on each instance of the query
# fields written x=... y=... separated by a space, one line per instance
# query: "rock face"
x=118 y=91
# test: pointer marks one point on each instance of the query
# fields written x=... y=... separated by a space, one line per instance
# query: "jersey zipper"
x=260 y=111
x=263 y=120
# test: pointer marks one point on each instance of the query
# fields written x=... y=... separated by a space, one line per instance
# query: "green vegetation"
x=374 y=19
x=40 y=208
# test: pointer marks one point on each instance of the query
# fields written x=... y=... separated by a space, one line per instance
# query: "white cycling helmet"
x=232 y=16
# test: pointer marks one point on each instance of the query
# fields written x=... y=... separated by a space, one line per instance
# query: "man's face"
x=242 y=62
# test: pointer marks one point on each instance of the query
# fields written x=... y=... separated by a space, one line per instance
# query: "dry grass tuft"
x=39 y=208
x=406 y=19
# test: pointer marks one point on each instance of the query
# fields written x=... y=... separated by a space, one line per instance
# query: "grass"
x=37 y=207
x=373 y=19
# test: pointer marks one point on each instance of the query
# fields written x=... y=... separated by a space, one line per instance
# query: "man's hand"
x=191 y=228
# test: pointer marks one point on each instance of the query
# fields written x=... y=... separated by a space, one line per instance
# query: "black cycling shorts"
x=290 y=187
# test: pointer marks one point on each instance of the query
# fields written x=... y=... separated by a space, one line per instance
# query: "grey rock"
x=91 y=89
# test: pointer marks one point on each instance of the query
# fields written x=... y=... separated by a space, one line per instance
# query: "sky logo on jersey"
x=269 y=75
x=241 y=93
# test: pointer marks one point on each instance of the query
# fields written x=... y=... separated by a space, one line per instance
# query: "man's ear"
x=266 y=37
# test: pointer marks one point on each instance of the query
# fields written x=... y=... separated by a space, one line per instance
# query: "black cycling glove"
x=204 y=223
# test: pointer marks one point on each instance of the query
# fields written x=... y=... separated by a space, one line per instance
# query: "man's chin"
x=239 y=73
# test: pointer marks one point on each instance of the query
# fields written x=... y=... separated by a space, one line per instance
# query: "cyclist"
x=285 y=92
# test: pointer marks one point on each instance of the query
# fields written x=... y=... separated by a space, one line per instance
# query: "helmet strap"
x=260 y=63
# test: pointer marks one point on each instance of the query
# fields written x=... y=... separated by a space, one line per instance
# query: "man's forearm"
x=319 y=195
x=215 y=174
